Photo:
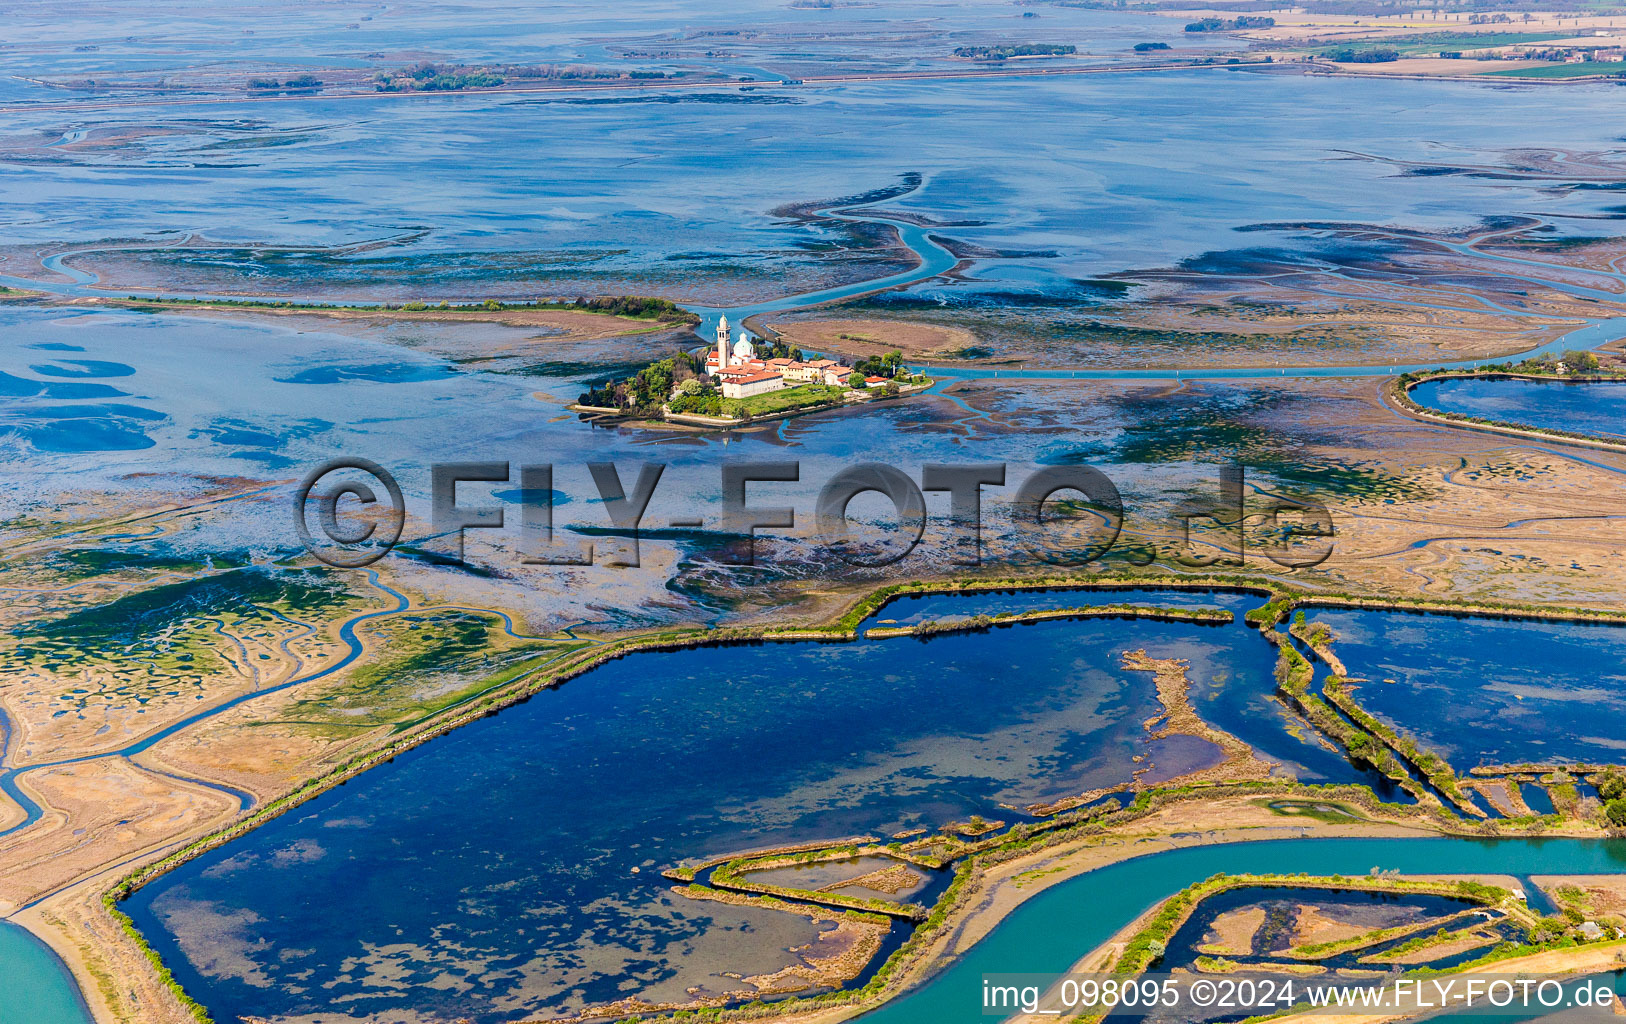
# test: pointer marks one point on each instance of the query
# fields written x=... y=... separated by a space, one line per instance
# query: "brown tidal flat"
x=859 y=337
x=96 y=812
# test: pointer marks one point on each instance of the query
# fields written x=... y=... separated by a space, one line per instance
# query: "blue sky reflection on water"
x=677 y=195
x=1597 y=407
x=1488 y=691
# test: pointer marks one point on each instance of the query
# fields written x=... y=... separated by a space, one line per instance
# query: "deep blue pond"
x=512 y=867
x=1488 y=691
x=1597 y=407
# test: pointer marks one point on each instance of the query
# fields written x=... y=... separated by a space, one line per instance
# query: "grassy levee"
x=1435 y=768
x=1331 y=948
x=1293 y=673
x=1145 y=948
x=1432 y=766
x=1207 y=616
x=703 y=892
x=1418 y=943
x=627 y=307
x=728 y=877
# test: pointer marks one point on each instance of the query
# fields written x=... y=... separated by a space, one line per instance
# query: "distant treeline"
x=432 y=77
x=296 y=82
x=1370 y=55
x=1227 y=24
x=636 y=306
x=1014 y=50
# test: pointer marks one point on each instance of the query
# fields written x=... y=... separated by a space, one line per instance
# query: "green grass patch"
x=792 y=398
x=1581 y=70
x=1449 y=42
x=1331 y=814
x=430 y=662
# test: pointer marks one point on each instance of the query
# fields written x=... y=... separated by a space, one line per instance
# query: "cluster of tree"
x=887 y=366
x=1143 y=47
x=1370 y=55
x=567 y=72
x=306 y=81
x=778 y=350
x=1227 y=24
x=1612 y=791
x=698 y=395
x=1014 y=50
x=1491 y=19
x=646 y=391
x=1579 y=362
x=641 y=306
x=1573 y=361
x=431 y=77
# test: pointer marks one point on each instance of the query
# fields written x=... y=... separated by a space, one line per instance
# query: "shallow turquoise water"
x=35 y=986
x=1052 y=930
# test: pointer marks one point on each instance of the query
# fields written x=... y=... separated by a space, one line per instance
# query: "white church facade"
x=743 y=373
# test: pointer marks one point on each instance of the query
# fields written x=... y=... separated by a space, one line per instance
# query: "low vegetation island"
x=746 y=381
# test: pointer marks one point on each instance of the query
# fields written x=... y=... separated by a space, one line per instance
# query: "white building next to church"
x=743 y=373
x=748 y=384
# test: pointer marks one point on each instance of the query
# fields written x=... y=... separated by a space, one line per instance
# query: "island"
x=745 y=382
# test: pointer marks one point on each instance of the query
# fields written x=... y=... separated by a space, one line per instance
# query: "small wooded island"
x=749 y=380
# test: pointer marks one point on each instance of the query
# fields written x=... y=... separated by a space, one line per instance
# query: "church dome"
x=743 y=348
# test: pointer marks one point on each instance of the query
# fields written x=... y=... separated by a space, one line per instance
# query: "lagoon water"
x=1591 y=407
x=491 y=874
x=675 y=194
x=512 y=867
x=1488 y=691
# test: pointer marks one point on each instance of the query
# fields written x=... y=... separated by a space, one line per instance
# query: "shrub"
x=1614 y=812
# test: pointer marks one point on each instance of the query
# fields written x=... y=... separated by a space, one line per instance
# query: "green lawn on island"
x=1447 y=42
x=1436 y=42
x=792 y=398
x=1590 y=67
